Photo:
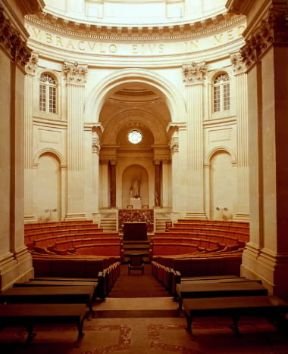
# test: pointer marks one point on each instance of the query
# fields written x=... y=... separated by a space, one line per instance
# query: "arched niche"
x=135 y=185
x=47 y=188
x=223 y=186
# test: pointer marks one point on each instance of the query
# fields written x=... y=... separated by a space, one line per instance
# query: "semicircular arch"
x=175 y=101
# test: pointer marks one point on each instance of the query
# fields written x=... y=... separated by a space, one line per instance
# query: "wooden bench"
x=33 y=283
x=202 y=290
x=234 y=307
x=52 y=295
x=30 y=314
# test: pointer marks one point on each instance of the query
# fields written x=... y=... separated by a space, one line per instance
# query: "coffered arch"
x=96 y=99
x=131 y=118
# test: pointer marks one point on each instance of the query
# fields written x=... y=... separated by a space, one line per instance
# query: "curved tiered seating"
x=71 y=237
x=200 y=236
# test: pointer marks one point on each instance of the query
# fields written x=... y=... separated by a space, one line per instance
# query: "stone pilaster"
x=241 y=105
x=194 y=75
x=30 y=68
x=92 y=150
x=75 y=84
x=178 y=147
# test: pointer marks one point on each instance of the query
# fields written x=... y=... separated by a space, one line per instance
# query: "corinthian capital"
x=272 y=31
x=12 y=41
x=75 y=73
x=194 y=72
x=32 y=64
x=238 y=64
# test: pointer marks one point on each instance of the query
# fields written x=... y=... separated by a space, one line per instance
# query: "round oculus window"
x=134 y=136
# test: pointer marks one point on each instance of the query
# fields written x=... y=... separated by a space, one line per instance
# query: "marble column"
x=194 y=75
x=75 y=84
x=166 y=182
x=30 y=68
x=241 y=105
x=265 y=55
x=157 y=191
x=112 y=179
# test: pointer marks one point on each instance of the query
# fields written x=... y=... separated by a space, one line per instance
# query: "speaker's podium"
x=135 y=231
x=135 y=243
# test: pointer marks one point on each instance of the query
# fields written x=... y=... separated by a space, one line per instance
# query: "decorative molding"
x=95 y=141
x=32 y=64
x=103 y=32
x=75 y=73
x=272 y=31
x=194 y=72
x=12 y=41
x=238 y=64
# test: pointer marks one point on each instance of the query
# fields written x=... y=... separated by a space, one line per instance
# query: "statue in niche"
x=134 y=191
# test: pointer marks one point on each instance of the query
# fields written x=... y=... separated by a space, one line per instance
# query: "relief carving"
x=194 y=72
x=75 y=73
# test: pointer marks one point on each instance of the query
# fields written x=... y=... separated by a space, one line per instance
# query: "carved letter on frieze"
x=194 y=72
x=75 y=73
x=31 y=66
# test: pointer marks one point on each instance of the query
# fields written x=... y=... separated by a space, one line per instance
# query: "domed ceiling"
x=135 y=12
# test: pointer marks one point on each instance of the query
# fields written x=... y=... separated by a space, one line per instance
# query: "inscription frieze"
x=145 y=48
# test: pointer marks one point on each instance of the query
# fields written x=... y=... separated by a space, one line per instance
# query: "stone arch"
x=218 y=149
x=51 y=151
x=175 y=101
x=47 y=186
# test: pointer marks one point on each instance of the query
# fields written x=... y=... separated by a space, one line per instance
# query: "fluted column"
x=15 y=260
x=31 y=68
x=75 y=84
x=194 y=76
x=178 y=146
x=241 y=105
x=265 y=55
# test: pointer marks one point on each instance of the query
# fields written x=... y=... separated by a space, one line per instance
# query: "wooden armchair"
x=136 y=262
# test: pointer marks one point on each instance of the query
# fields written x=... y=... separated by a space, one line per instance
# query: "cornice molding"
x=239 y=6
x=12 y=41
x=272 y=31
x=31 y=6
x=144 y=33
